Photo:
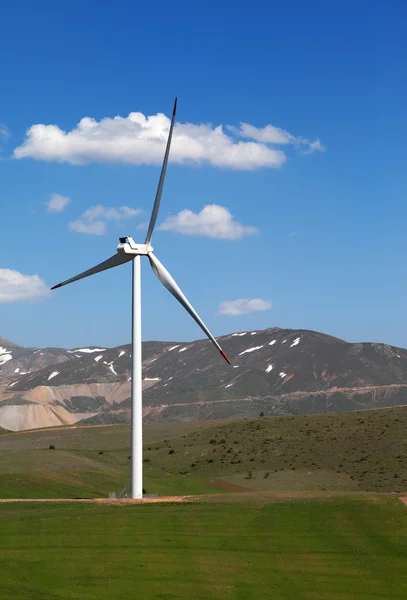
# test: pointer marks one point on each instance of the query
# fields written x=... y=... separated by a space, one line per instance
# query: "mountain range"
x=274 y=372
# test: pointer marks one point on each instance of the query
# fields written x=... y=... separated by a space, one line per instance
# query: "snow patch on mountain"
x=110 y=365
x=250 y=350
x=86 y=350
x=5 y=355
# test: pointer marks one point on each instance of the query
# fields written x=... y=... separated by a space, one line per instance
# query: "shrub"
x=51 y=447
x=101 y=452
x=172 y=451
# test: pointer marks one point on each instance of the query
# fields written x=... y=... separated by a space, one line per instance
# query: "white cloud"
x=94 y=228
x=243 y=306
x=57 y=203
x=140 y=139
x=314 y=147
x=15 y=287
x=92 y=221
x=275 y=135
x=267 y=135
x=4 y=135
x=4 y=131
x=110 y=214
x=213 y=221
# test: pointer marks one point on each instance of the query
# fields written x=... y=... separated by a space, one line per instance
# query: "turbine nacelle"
x=128 y=246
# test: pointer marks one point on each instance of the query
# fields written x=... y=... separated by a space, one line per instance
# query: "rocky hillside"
x=17 y=360
x=275 y=371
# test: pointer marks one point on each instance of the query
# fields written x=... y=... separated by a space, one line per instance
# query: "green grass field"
x=287 y=509
x=308 y=550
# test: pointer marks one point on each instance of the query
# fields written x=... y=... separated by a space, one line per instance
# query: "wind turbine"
x=127 y=251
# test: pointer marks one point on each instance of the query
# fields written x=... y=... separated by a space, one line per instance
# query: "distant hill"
x=274 y=371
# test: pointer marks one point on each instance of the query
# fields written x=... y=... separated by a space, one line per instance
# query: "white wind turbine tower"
x=127 y=251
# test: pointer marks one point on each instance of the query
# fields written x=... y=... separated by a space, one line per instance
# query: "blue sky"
x=330 y=250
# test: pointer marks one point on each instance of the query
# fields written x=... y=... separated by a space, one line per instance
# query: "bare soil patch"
x=116 y=501
x=230 y=487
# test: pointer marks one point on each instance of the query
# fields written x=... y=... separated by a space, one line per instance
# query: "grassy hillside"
x=360 y=451
x=364 y=450
x=108 y=437
x=314 y=550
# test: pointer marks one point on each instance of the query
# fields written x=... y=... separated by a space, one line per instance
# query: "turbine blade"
x=157 y=201
x=113 y=261
x=166 y=279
